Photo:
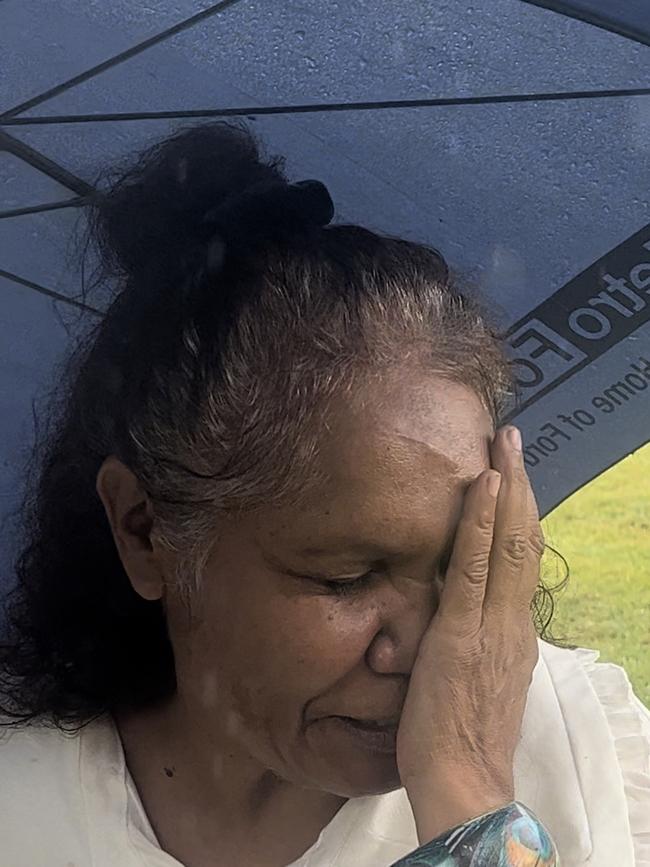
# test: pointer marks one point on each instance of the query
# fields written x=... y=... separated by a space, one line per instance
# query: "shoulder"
x=581 y=679
x=34 y=750
x=41 y=800
x=608 y=681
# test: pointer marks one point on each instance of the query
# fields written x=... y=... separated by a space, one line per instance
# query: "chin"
x=349 y=767
x=358 y=783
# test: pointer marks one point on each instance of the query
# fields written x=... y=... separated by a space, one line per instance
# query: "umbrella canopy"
x=631 y=19
x=513 y=138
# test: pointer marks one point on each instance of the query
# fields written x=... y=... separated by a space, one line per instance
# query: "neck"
x=209 y=800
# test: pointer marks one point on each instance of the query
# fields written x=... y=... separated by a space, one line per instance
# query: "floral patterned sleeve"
x=510 y=837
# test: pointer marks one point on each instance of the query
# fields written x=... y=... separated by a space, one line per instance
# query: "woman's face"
x=274 y=655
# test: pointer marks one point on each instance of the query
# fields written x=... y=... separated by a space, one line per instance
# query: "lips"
x=367 y=735
x=372 y=724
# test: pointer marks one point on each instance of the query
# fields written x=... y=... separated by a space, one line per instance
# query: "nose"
x=403 y=616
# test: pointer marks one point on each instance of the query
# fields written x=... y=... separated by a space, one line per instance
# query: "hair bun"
x=318 y=203
x=270 y=208
x=148 y=221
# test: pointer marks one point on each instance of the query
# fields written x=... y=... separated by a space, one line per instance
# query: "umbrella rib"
x=78 y=201
x=117 y=58
x=50 y=293
x=316 y=108
x=43 y=164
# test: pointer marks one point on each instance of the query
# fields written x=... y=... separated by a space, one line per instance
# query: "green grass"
x=603 y=531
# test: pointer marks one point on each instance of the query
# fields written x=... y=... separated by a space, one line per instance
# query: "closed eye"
x=344 y=586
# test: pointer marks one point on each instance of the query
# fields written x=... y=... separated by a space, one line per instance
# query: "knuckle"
x=519 y=544
x=474 y=647
x=476 y=567
x=485 y=523
x=515 y=547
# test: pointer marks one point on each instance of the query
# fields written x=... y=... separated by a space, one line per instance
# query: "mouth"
x=371 y=724
x=378 y=736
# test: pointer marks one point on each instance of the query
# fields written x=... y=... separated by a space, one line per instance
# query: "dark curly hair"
x=211 y=389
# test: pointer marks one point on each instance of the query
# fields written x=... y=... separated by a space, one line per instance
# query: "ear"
x=130 y=516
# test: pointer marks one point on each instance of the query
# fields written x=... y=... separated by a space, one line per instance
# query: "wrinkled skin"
x=258 y=770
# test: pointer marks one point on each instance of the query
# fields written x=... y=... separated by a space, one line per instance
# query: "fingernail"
x=514 y=438
x=493 y=484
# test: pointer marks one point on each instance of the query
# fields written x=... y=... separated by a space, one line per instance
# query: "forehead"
x=422 y=422
x=397 y=459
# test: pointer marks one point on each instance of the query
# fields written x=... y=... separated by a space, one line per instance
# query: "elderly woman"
x=279 y=598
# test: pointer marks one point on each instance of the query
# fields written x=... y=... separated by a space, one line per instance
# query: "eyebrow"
x=342 y=546
x=346 y=545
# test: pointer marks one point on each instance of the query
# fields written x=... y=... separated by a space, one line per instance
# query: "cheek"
x=345 y=626
x=316 y=639
x=279 y=651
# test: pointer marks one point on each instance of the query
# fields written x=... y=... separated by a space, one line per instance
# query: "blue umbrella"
x=631 y=19
x=513 y=138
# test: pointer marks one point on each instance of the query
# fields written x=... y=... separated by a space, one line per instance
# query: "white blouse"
x=582 y=765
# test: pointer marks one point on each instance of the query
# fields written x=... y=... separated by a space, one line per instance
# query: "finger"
x=508 y=561
x=537 y=534
x=538 y=542
x=514 y=559
x=466 y=576
x=533 y=508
